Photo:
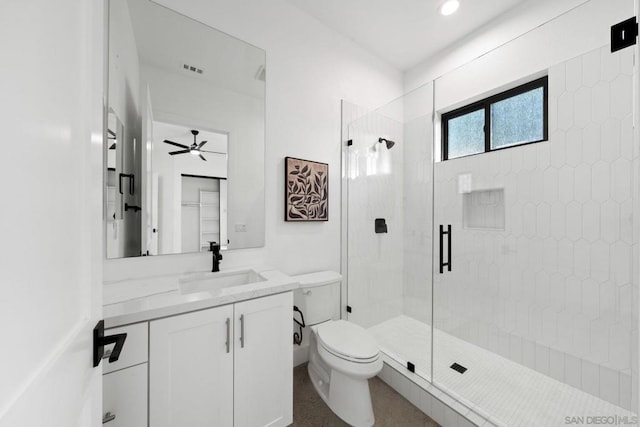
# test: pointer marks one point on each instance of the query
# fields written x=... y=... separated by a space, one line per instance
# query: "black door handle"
x=442 y=263
x=99 y=341
x=132 y=182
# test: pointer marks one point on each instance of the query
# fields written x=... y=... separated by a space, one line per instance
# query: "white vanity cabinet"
x=124 y=382
x=191 y=369
x=224 y=366
x=263 y=377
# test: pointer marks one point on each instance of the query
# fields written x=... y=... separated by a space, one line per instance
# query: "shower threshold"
x=501 y=388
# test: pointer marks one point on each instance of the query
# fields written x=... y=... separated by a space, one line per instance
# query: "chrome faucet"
x=217 y=256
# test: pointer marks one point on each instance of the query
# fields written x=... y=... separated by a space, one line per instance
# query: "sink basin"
x=213 y=282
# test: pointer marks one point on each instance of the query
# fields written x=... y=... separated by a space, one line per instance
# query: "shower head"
x=387 y=141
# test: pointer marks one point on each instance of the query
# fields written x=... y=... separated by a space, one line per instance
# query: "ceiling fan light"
x=449 y=7
x=195 y=152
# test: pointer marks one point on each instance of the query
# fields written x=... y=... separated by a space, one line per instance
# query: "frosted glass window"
x=516 y=116
x=518 y=120
x=465 y=134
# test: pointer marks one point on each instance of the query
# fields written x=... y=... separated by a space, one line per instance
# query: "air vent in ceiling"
x=192 y=68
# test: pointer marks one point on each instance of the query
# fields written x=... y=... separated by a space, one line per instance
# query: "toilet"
x=342 y=355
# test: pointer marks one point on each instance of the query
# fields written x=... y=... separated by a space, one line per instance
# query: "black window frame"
x=485 y=104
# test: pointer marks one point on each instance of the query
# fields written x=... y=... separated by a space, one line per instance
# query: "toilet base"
x=349 y=398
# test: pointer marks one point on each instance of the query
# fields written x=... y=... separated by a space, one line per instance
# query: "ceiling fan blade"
x=201 y=144
x=166 y=141
x=214 y=152
x=202 y=157
x=179 y=152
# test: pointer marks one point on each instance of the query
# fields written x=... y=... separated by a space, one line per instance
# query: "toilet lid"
x=348 y=340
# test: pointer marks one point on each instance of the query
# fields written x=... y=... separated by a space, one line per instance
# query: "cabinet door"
x=124 y=397
x=191 y=369
x=263 y=390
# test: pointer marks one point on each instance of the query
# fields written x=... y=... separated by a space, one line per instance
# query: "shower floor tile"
x=507 y=391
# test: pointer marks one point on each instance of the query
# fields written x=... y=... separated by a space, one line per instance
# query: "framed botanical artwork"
x=306 y=189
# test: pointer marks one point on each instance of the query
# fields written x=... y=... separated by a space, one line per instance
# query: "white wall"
x=309 y=70
x=635 y=332
x=50 y=255
x=524 y=18
x=532 y=53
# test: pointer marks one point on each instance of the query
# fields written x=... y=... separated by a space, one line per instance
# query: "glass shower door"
x=387 y=184
x=534 y=309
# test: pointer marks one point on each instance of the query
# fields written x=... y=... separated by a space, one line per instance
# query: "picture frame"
x=306 y=190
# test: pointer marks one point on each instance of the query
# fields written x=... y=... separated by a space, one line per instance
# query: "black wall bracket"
x=135 y=208
x=297 y=336
x=624 y=34
x=411 y=367
x=132 y=182
x=99 y=341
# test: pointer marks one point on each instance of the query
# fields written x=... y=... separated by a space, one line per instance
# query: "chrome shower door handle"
x=242 y=331
x=228 y=342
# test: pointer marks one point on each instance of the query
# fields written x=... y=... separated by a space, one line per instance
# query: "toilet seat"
x=348 y=341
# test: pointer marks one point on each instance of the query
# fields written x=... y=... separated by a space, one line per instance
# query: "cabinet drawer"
x=124 y=398
x=135 y=350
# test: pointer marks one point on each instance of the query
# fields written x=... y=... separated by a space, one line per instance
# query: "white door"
x=263 y=387
x=51 y=81
x=191 y=369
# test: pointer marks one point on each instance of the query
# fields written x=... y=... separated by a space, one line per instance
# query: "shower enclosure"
x=504 y=274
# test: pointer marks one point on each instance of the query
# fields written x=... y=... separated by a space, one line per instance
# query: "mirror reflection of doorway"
x=204 y=212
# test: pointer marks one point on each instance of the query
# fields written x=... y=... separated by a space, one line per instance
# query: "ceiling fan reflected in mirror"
x=195 y=148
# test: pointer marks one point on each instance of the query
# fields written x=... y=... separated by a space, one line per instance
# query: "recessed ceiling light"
x=449 y=7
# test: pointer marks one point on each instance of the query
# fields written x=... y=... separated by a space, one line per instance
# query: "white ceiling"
x=167 y=40
x=406 y=32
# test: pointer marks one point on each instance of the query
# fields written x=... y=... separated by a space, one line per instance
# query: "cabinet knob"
x=108 y=417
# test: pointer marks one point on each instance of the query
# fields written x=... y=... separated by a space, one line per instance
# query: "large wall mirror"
x=184 y=151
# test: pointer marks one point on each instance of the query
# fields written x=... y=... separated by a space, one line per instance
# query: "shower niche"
x=483 y=209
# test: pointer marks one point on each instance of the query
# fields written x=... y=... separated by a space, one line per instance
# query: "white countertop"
x=139 y=300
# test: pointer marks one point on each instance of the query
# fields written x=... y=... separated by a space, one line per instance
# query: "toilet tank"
x=318 y=296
